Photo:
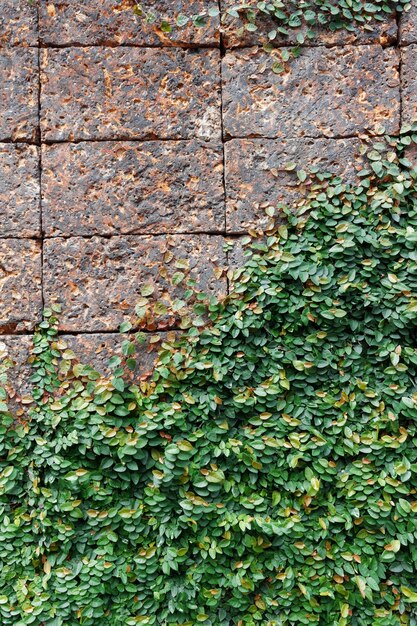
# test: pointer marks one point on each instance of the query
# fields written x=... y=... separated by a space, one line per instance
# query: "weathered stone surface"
x=411 y=154
x=237 y=257
x=14 y=355
x=96 y=350
x=130 y=93
x=331 y=92
x=18 y=93
x=98 y=281
x=384 y=32
x=409 y=84
x=408 y=26
x=18 y=23
x=257 y=178
x=110 y=22
x=125 y=187
x=20 y=285
x=19 y=190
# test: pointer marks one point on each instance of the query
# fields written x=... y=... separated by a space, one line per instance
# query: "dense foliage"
x=286 y=16
x=267 y=472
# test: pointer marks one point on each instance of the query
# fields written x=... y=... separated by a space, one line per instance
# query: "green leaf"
x=125 y=327
x=147 y=289
x=182 y=20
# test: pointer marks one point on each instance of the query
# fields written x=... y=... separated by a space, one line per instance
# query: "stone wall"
x=119 y=143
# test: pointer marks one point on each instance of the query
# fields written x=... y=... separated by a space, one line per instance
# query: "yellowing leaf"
x=361 y=585
x=393 y=546
x=410 y=595
x=184 y=445
x=315 y=483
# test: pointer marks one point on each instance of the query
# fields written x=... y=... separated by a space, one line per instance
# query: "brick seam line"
x=176 y=46
x=226 y=139
x=222 y=53
x=224 y=234
x=400 y=64
x=87 y=333
x=39 y=133
x=203 y=46
x=124 y=138
x=197 y=233
x=163 y=233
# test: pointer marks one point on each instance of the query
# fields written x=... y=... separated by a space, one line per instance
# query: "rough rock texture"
x=96 y=350
x=408 y=26
x=111 y=22
x=18 y=94
x=20 y=285
x=257 y=177
x=120 y=187
x=14 y=355
x=384 y=32
x=18 y=23
x=409 y=84
x=19 y=190
x=411 y=154
x=130 y=93
x=237 y=256
x=327 y=92
x=98 y=281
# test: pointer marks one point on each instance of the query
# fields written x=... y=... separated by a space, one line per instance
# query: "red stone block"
x=130 y=93
x=19 y=190
x=330 y=92
x=409 y=84
x=19 y=89
x=20 y=285
x=18 y=23
x=257 y=176
x=14 y=354
x=107 y=22
x=96 y=350
x=98 y=281
x=408 y=26
x=125 y=187
x=235 y=34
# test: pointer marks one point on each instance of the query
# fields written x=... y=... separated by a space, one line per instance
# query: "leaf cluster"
x=277 y=19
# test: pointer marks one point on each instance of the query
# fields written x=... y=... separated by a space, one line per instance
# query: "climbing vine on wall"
x=266 y=472
x=285 y=16
x=279 y=22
